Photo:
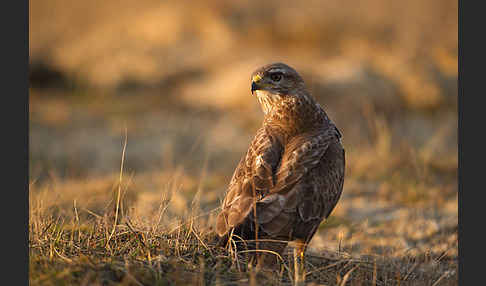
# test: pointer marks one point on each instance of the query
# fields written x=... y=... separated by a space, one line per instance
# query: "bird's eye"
x=276 y=76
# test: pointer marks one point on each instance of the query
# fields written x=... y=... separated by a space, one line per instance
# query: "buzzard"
x=292 y=175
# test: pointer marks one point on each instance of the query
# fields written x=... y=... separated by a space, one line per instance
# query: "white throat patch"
x=267 y=100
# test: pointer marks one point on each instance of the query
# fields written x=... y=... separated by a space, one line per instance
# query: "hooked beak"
x=255 y=83
x=254 y=86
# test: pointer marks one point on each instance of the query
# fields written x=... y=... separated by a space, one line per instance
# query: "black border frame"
x=15 y=143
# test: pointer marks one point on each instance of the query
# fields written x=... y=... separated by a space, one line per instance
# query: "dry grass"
x=395 y=225
x=74 y=240
x=74 y=245
x=173 y=76
x=396 y=222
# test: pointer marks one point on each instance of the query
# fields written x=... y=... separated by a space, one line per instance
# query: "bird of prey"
x=292 y=175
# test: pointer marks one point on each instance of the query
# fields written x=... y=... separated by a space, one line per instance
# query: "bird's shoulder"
x=260 y=161
x=303 y=153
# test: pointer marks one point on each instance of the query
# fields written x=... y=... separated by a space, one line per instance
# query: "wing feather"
x=266 y=177
x=303 y=153
x=252 y=179
x=276 y=212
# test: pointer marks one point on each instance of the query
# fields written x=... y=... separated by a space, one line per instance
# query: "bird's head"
x=277 y=85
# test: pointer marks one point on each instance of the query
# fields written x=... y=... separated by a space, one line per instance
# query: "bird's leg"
x=299 y=267
x=271 y=254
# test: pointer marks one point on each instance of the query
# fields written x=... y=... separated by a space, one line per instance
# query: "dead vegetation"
x=173 y=77
x=395 y=224
x=398 y=210
x=83 y=243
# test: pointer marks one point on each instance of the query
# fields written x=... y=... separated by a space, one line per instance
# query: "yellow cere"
x=256 y=78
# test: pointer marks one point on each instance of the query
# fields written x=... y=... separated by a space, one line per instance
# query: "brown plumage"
x=291 y=177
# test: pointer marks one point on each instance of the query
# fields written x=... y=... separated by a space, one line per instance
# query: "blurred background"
x=176 y=76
